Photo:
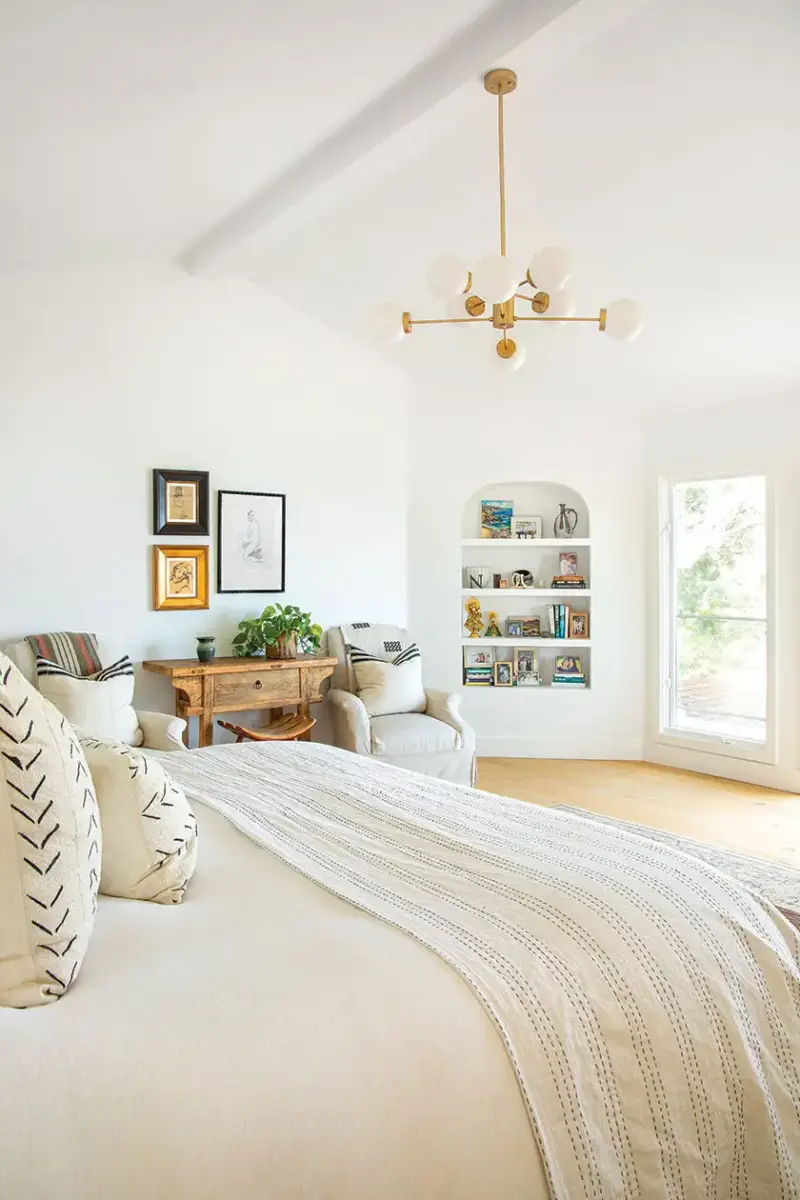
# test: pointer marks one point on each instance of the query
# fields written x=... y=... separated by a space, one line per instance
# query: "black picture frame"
x=273 y=513
x=162 y=526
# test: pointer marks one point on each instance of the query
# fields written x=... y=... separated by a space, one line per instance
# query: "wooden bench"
x=285 y=729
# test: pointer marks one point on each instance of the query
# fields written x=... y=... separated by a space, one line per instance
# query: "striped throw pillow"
x=99 y=705
x=389 y=685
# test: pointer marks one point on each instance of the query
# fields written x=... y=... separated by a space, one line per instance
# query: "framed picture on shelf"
x=579 y=624
x=479 y=656
x=477 y=577
x=180 y=577
x=531 y=627
x=180 y=503
x=514 y=627
x=496 y=518
x=251 y=542
x=503 y=674
x=526 y=668
x=567 y=666
x=527 y=527
x=568 y=563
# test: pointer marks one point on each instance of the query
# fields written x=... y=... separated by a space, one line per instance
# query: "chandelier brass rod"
x=502 y=165
x=594 y=320
x=451 y=321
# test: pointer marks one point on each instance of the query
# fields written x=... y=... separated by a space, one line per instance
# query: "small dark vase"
x=566 y=522
x=206 y=648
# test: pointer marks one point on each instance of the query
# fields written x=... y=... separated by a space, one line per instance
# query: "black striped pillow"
x=389 y=685
x=123 y=666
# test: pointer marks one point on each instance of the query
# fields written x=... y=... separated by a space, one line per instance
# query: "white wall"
x=759 y=438
x=462 y=441
x=106 y=374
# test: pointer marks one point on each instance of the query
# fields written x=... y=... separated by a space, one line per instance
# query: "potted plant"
x=280 y=632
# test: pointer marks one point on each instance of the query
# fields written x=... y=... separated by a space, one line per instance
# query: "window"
x=715 y=666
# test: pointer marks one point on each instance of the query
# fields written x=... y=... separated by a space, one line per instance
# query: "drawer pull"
x=258 y=684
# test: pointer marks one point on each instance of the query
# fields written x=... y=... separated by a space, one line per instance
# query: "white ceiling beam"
x=468 y=54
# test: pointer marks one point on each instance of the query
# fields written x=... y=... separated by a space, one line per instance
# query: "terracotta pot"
x=285 y=647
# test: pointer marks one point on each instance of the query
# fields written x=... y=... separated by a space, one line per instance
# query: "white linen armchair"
x=438 y=742
x=160 y=731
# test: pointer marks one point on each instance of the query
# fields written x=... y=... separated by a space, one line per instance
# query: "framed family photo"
x=180 y=503
x=180 y=577
x=251 y=542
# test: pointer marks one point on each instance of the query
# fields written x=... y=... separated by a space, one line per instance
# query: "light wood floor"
x=753 y=820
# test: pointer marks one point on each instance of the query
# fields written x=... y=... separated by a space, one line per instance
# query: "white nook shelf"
x=560 y=592
x=530 y=543
x=543 y=642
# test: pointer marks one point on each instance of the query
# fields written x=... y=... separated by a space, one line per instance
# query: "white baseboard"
x=558 y=747
x=783 y=779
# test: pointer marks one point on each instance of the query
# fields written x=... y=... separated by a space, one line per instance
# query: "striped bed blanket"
x=649 y=1004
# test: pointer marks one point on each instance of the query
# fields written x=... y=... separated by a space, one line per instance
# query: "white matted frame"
x=251 y=542
x=669 y=733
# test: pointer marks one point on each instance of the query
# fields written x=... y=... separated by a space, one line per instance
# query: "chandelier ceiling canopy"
x=500 y=284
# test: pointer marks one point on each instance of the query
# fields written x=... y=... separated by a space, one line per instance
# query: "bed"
x=269 y=1038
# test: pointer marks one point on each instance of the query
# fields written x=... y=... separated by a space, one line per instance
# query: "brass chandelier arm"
x=450 y=321
x=594 y=320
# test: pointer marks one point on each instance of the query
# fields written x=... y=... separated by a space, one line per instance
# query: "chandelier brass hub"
x=503 y=315
x=500 y=81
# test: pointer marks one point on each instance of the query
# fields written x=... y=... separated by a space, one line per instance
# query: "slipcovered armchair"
x=435 y=742
x=160 y=731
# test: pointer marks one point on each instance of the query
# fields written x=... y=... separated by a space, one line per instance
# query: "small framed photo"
x=180 y=577
x=477 y=577
x=503 y=674
x=251 y=542
x=568 y=563
x=479 y=656
x=526 y=668
x=567 y=666
x=514 y=626
x=531 y=627
x=579 y=624
x=526 y=527
x=496 y=518
x=180 y=503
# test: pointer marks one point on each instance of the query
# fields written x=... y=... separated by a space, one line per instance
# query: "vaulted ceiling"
x=330 y=151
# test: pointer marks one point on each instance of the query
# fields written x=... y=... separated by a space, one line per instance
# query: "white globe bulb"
x=550 y=268
x=385 y=324
x=495 y=279
x=562 y=304
x=624 y=320
x=509 y=365
x=447 y=276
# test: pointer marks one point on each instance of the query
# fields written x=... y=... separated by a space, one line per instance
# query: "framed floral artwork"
x=180 y=577
x=180 y=503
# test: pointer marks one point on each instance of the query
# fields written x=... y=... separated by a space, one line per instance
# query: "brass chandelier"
x=495 y=281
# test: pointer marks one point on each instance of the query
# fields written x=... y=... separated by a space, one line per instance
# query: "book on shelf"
x=568 y=582
x=558 y=620
x=568 y=683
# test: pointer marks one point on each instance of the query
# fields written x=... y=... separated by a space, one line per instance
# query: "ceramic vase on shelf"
x=285 y=647
x=566 y=522
x=206 y=648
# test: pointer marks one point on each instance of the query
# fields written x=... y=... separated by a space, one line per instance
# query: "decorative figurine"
x=474 y=621
x=493 y=629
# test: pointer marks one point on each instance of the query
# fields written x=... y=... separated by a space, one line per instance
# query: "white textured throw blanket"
x=649 y=1004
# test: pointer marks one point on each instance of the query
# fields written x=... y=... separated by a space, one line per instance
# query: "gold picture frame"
x=578 y=625
x=180 y=577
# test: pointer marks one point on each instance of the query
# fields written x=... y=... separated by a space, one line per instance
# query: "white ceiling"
x=658 y=140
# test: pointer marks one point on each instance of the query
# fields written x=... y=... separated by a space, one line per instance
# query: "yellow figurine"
x=493 y=629
x=474 y=621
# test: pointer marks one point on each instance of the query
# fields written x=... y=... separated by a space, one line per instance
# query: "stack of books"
x=568 y=672
x=558 y=618
x=569 y=582
x=479 y=676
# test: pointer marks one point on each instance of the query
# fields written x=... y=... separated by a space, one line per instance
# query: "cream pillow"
x=49 y=847
x=389 y=686
x=100 y=705
x=149 y=830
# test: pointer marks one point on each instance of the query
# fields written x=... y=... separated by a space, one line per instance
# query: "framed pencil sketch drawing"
x=251 y=542
x=180 y=577
x=180 y=502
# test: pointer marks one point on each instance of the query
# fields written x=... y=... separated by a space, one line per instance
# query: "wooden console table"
x=239 y=684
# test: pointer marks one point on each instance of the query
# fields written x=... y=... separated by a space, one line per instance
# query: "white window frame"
x=731 y=747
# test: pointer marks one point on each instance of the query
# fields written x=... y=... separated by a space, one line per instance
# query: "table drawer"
x=256 y=689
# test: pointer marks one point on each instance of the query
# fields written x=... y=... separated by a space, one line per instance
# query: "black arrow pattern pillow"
x=149 y=829
x=50 y=847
